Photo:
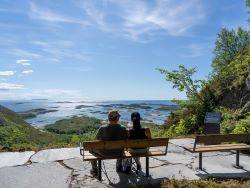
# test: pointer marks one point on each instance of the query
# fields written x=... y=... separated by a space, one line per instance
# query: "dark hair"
x=136 y=119
x=113 y=118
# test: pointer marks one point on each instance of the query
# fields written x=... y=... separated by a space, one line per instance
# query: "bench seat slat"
x=152 y=152
x=214 y=139
x=222 y=147
x=140 y=143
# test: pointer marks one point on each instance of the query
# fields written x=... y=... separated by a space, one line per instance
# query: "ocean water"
x=150 y=110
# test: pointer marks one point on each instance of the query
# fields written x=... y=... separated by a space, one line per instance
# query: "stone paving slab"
x=72 y=171
x=183 y=142
x=37 y=175
x=14 y=158
x=223 y=166
x=51 y=155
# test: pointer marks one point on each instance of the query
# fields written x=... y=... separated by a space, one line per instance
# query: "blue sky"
x=107 y=49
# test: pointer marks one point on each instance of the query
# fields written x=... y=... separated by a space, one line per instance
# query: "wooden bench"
x=218 y=142
x=86 y=147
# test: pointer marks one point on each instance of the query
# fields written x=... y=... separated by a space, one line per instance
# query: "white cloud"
x=95 y=15
x=10 y=86
x=23 y=62
x=7 y=73
x=47 y=15
x=27 y=72
x=24 y=53
x=138 y=18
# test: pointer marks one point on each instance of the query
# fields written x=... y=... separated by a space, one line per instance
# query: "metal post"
x=100 y=170
x=200 y=161
x=237 y=158
x=147 y=166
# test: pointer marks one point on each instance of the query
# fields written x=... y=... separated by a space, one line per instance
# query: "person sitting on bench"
x=137 y=132
x=112 y=131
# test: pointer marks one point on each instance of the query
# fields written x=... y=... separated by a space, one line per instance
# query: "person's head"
x=113 y=117
x=136 y=119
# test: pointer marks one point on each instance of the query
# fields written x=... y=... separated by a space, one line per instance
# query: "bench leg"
x=100 y=170
x=147 y=166
x=200 y=161
x=237 y=158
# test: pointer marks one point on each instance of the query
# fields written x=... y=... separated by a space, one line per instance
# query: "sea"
x=154 y=111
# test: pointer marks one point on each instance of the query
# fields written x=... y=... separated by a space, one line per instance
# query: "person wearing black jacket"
x=137 y=132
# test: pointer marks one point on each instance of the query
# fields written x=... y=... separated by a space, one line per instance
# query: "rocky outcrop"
x=50 y=155
x=64 y=168
x=235 y=98
x=35 y=112
x=39 y=175
x=246 y=108
x=14 y=158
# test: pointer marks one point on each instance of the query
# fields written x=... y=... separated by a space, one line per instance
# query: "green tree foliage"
x=231 y=66
x=228 y=44
x=182 y=80
x=232 y=75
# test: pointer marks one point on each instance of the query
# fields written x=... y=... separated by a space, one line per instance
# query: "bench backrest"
x=214 y=139
x=121 y=144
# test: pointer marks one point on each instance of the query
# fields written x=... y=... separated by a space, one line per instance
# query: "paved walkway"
x=65 y=168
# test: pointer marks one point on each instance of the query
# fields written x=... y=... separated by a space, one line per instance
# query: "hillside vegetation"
x=75 y=125
x=226 y=91
x=16 y=134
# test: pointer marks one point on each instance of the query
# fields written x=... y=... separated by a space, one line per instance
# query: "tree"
x=228 y=44
x=182 y=80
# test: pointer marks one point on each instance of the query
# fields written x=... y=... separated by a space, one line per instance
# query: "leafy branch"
x=182 y=80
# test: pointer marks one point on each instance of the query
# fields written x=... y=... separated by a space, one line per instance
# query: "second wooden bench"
x=218 y=142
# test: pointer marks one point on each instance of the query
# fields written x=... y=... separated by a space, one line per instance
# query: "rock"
x=75 y=173
x=14 y=158
x=82 y=106
x=50 y=155
x=34 y=112
x=223 y=166
x=51 y=175
x=248 y=82
x=245 y=109
x=183 y=142
x=179 y=171
x=76 y=164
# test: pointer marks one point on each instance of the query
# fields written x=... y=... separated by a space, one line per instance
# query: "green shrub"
x=242 y=126
x=180 y=128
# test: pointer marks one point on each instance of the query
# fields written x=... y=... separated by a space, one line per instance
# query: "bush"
x=242 y=126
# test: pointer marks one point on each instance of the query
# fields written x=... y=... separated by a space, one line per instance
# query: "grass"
x=205 y=184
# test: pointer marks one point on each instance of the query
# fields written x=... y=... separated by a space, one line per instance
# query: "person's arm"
x=126 y=134
x=99 y=134
x=148 y=133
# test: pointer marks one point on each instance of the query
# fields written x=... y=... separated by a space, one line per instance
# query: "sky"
x=107 y=49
